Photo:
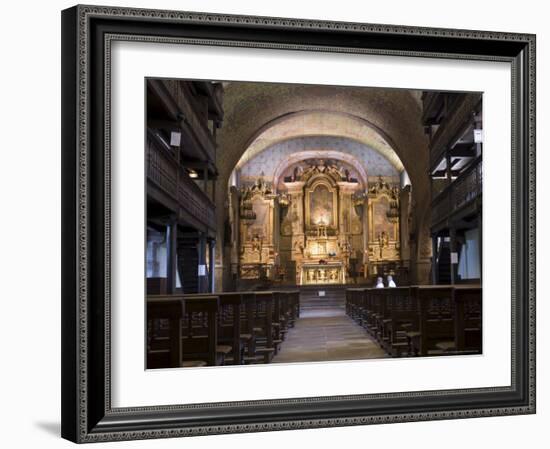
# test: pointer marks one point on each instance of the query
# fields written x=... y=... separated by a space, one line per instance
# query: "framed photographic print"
x=276 y=224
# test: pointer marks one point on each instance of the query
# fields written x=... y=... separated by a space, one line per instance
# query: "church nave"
x=327 y=334
x=311 y=223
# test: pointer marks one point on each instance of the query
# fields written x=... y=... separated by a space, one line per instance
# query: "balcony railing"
x=164 y=171
x=198 y=125
x=450 y=127
x=466 y=188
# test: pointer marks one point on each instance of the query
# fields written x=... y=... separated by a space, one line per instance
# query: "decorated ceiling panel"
x=275 y=160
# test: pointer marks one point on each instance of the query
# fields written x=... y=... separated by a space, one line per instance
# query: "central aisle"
x=327 y=334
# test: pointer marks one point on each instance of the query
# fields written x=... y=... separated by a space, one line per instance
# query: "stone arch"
x=253 y=108
x=321 y=123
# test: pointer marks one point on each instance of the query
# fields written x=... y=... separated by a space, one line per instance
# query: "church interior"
x=310 y=223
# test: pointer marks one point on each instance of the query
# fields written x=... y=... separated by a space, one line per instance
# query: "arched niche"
x=321 y=202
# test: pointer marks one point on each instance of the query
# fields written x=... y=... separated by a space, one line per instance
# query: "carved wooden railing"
x=466 y=188
x=452 y=125
x=162 y=168
x=165 y=172
x=197 y=124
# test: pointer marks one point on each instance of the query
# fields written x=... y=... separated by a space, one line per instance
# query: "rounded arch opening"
x=379 y=120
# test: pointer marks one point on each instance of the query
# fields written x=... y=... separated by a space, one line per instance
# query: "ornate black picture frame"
x=87 y=414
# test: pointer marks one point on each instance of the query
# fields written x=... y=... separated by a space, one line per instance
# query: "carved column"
x=276 y=232
x=234 y=223
x=345 y=190
x=171 y=253
x=454 y=251
x=480 y=245
x=296 y=211
x=203 y=275
x=435 y=274
x=404 y=201
x=366 y=231
x=211 y=264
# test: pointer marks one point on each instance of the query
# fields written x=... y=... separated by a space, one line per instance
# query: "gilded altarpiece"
x=322 y=225
x=258 y=236
x=319 y=220
x=384 y=240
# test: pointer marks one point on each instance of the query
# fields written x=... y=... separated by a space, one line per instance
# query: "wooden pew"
x=404 y=318
x=420 y=320
x=278 y=321
x=170 y=310
x=289 y=306
x=294 y=304
x=290 y=302
x=263 y=322
x=355 y=304
x=366 y=310
x=374 y=305
x=350 y=302
x=248 y=326
x=192 y=337
x=383 y=317
x=229 y=326
x=467 y=320
x=233 y=329
x=200 y=330
x=468 y=337
x=363 y=304
x=436 y=319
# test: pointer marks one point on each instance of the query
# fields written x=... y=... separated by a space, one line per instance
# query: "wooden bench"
x=170 y=311
x=404 y=318
x=290 y=304
x=200 y=330
x=191 y=337
x=420 y=320
x=382 y=316
x=229 y=326
x=374 y=304
x=233 y=329
x=365 y=308
x=436 y=319
x=294 y=304
x=353 y=303
x=279 y=319
x=263 y=322
x=467 y=319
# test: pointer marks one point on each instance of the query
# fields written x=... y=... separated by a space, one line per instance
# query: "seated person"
x=379 y=283
x=391 y=283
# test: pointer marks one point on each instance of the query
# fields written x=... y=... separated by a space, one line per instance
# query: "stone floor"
x=327 y=335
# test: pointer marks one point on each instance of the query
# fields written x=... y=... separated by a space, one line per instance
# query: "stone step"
x=311 y=297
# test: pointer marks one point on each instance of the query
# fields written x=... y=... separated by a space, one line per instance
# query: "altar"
x=322 y=273
x=319 y=222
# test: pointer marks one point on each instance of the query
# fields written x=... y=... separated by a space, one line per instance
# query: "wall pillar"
x=434 y=260
x=453 y=248
x=171 y=254
x=203 y=275
x=366 y=230
x=404 y=202
x=211 y=265
x=480 y=245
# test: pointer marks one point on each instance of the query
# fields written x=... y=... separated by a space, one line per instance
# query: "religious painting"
x=321 y=207
x=382 y=227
